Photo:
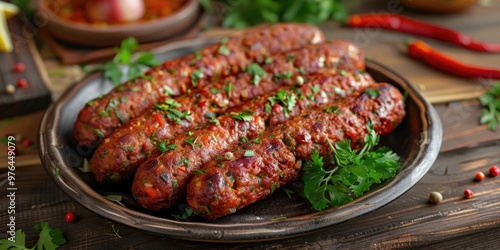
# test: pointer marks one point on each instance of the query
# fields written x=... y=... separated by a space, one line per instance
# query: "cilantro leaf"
x=352 y=173
x=49 y=239
x=491 y=111
x=164 y=148
x=244 y=116
x=122 y=67
x=18 y=243
x=257 y=72
x=285 y=99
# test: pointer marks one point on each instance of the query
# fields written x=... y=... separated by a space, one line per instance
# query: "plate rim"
x=75 y=187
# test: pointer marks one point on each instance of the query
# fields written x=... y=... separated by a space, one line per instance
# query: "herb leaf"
x=491 y=103
x=49 y=239
x=244 y=13
x=113 y=69
x=352 y=174
x=257 y=72
x=244 y=116
x=284 y=98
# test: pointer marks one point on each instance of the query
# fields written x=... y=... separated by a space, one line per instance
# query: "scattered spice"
x=494 y=171
x=10 y=89
x=22 y=83
x=479 y=176
x=467 y=194
x=435 y=197
x=70 y=217
x=19 y=67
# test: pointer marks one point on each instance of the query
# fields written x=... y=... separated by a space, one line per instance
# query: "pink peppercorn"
x=479 y=176
x=19 y=67
x=494 y=171
x=22 y=83
x=467 y=193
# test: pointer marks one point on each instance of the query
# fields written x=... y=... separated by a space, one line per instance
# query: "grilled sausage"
x=102 y=115
x=226 y=186
x=161 y=180
x=119 y=155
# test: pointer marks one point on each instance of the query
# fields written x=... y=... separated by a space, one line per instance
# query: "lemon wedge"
x=7 y=10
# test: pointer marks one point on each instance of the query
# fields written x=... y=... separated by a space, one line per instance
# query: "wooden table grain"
x=410 y=221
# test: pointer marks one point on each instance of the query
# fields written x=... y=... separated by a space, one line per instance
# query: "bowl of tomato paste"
x=104 y=23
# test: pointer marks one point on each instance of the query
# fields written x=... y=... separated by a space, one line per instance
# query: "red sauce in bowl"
x=74 y=11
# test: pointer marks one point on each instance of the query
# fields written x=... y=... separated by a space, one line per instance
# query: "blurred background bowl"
x=439 y=6
x=89 y=35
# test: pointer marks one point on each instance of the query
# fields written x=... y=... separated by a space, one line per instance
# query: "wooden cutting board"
x=37 y=95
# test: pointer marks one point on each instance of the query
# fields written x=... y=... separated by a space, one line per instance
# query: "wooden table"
x=408 y=222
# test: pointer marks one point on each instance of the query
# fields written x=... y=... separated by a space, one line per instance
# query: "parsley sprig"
x=352 y=174
x=285 y=99
x=244 y=13
x=49 y=239
x=135 y=68
x=175 y=115
x=491 y=111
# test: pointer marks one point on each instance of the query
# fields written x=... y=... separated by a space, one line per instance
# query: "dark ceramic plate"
x=417 y=140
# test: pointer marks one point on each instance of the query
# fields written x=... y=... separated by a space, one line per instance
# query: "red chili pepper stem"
x=411 y=26
x=423 y=52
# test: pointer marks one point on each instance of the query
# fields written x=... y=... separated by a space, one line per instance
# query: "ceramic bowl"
x=439 y=6
x=96 y=36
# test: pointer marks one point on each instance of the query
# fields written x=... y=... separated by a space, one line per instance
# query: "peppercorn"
x=435 y=197
x=494 y=171
x=22 y=83
x=10 y=89
x=19 y=67
x=70 y=217
x=479 y=176
x=467 y=193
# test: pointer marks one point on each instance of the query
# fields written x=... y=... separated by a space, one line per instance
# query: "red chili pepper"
x=159 y=119
x=411 y=26
x=425 y=53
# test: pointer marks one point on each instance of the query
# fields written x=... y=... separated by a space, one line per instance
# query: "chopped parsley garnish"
x=268 y=60
x=196 y=77
x=191 y=141
x=224 y=50
x=315 y=89
x=331 y=109
x=163 y=147
x=373 y=93
x=491 y=107
x=257 y=72
x=215 y=121
x=286 y=75
x=352 y=174
x=249 y=153
x=229 y=89
x=244 y=116
x=172 y=113
x=214 y=91
x=285 y=99
x=197 y=57
x=199 y=171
